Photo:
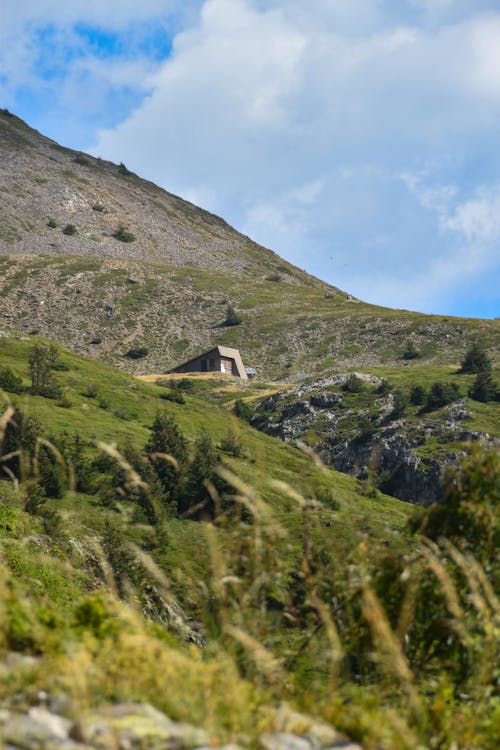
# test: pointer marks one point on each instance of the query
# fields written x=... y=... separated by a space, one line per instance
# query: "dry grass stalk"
x=430 y=552
x=55 y=452
x=107 y=570
x=5 y=419
x=133 y=478
x=392 y=656
x=475 y=595
x=253 y=502
x=267 y=664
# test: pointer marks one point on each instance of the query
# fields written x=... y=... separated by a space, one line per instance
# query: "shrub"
x=122 y=169
x=232 y=444
x=173 y=395
x=476 y=360
x=232 y=317
x=70 y=230
x=82 y=160
x=54 y=361
x=411 y=351
x=484 y=388
x=52 y=223
x=64 y=402
x=90 y=391
x=123 y=235
x=400 y=403
x=418 y=395
x=385 y=387
x=98 y=207
x=353 y=384
x=10 y=381
x=243 y=410
x=96 y=340
x=137 y=353
x=469 y=515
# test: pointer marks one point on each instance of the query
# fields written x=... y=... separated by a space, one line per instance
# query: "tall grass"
x=399 y=651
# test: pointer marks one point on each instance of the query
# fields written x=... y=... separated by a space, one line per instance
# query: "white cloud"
x=478 y=219
x=339 y=132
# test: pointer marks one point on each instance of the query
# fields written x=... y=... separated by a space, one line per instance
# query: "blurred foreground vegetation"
x=178 y=557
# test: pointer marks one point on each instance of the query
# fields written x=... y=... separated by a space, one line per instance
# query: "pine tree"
x=476 y=360
x=484 y=387
x=202 y=468
x=167 y=442
x=42 y=380
x=232 y=317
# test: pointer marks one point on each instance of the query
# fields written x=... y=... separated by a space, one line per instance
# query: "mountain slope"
x=167 y=291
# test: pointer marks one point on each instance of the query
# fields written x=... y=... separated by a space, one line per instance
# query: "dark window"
x=203 y=365
x=211 y=365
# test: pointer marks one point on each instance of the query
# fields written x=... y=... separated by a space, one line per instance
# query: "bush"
x=82 y=160
x=232 y=444
x=353 y=384
x=70 y=230
x=476 y=360
x=243 y=410
x=123 y=235
x=99 y=208
x=64 y=402
x=418 y=395
x=385 y=387
x=122 y=169
x=137 y=353
x=175 y=396
x=90 y=391
x=484 y=388
x=411 y=351
x=469 y=515
x=10 y=381
x=400 y=403
x=52 y=223
x=232 y=317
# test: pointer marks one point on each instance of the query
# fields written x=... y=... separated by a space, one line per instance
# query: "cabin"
x=219 y=359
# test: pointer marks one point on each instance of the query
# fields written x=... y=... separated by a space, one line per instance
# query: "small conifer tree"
x=232 y=317
x=476 y=360
x=165 y=443
x=484 y=387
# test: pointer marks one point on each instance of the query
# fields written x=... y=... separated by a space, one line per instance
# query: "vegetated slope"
x=288 y=594
x=66 y=275
x=399 y=427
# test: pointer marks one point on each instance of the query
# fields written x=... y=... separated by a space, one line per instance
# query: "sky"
x=359 y=139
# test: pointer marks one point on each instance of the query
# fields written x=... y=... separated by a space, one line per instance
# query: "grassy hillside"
x=306 y=587
x=105 y=308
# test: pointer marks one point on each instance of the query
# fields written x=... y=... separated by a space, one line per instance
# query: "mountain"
x=98 y=259
x=117 y=269
x=171 y=576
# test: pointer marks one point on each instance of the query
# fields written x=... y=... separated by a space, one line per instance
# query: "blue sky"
x=357 y=138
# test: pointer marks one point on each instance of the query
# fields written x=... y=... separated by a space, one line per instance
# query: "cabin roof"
x=222 y=351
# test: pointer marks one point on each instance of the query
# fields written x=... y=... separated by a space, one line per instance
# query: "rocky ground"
x=371 y=437
x=55 y=724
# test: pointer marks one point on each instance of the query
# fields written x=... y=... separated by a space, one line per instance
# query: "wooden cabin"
x=219 y=359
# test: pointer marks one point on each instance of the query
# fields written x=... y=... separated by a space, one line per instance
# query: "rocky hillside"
x=105 y=262
x=388 y=433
